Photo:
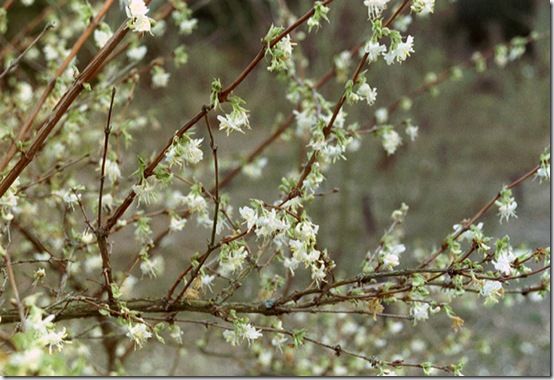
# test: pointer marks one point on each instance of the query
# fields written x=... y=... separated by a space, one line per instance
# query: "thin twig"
x=107 y=132
x=16 y=61
x=13 y=283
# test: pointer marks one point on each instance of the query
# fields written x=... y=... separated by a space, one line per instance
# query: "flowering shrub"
x=262 y=284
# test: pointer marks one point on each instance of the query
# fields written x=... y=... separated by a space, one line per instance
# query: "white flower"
x=233 y=122
x=249 y=215
x=390 y=260
x=231 y=336
x=306 y=230
x=139 y=333
x=265 y=358
x=24 y=92
x=278 y=341
x=177 y=224
x=187 y=26
x=136 y=8
x=343 y=60
x=50 y=53
x=506 y=209
x=112 y=170
x=318 y=273
x=269 y=224
x=389 y=256
x=254 y=169
x=412 y=131
x=251 y=333
x=367 y=93
x=401 y=52
x=404 y=49
x=195 y=202
x=469 y=234
x=93 y=263
x=87 y=237
x=391 y=141
x=544 y=168
x=27 y=3
x=127 y=285
x=30 y=359
x=305 y=120
x=137 y=53
x=102 y=36
x=490 y=288
x=107 y=201
x=544 y=172
x=382 y=115
x=36 y=323
x=146 y=191
x=232 y=259
x=420 y=311
x=374 y=50
x=375 y=8
x=291 y=264
x=142 y=24
x=504 y=261
x=423 y=7
x=42 y=256
x=192 y=152
x=207 y=280
x=396 y=327
x=281 y=54
x=160 y=78
x=153 y=268
x=402 y=23
x=53 y=339
x=69 y=197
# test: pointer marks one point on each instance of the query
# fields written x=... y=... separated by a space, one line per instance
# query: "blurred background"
x=476 y=134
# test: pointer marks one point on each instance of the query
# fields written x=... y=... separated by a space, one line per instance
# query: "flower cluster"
x=232 y=257
x=138 y=20
x=375 y=8
x=242 y=330
x=186 y=149
x=504 y=256
x=281 y=53
x=506 y=205
x=320 y=13
x=543 y=173
x=423 y=7
x=139 y=333
x=237 y=119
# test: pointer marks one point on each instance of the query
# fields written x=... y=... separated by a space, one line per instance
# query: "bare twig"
x=16 y=61
x=107 y=132
x=13 y=284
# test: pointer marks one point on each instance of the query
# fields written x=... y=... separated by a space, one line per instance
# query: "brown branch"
x=296 y=190
x=196 y=118
x=26 y=127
